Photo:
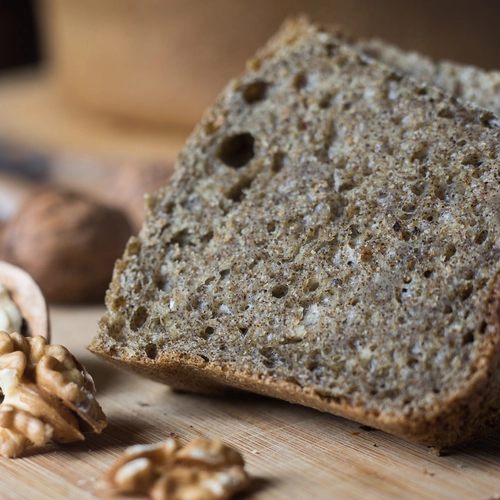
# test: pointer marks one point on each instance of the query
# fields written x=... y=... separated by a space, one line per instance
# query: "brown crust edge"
x=469 y=413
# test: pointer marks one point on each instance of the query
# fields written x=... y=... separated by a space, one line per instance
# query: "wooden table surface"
x=291 y=452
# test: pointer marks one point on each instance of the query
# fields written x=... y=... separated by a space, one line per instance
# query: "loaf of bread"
x=331 y=237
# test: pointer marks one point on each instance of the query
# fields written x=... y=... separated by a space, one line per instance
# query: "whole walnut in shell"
x=67 y=242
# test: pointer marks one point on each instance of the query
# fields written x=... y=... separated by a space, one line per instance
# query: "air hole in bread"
x=116 y=331
x=206 y=238
x=411 y=362
x=325 y=101
x=347 y=106
x=151 y=351
x=193 y=303
x=224 y=273
x=237 y=150
x=481 y=237
x=439 y=192
x=409 y=208
x=118 y=303
x=237 y=192
x=428 y=273
x=327 y=350
x=472 y=159
x=405 y=235
x=134 y=246
x=468 y=338
x=312 y=235
x=279 y=161
x=243 y=330
x=482 y=328
x=169 y=207
x=421 y=153
x=329 y=136
x=466 y=291
x=279 y=291
x=346 y=186
x=331 y=49
x=312 y=365
x=418 y=189
x=182 y=238
x=354 y=231
x=255 y=91
x=300 y=81
x=446 y=112
x=270 y=356
x=312 y=285
x=138 y=318
x=447 y=309
x=271 y=227
x=487 y=118
x=207 y=332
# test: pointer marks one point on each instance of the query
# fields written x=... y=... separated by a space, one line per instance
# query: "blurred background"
x=98 y=96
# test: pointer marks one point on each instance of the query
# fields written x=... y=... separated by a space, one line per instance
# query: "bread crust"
x=466 y=415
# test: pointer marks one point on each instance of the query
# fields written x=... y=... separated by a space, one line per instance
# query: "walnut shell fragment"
x=48 y=394
x=201 y=470
x=28 y=298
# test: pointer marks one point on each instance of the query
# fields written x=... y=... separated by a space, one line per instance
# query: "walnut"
x=67 y=242
x=48 y=394
x=23 y=303
x=201 y=470
x=11 y=319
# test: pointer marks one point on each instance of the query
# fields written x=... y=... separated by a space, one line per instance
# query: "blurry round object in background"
x=164 y=61
x=67 y=242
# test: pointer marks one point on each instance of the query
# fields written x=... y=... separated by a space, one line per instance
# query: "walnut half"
x=201 y=470
x=47 y=393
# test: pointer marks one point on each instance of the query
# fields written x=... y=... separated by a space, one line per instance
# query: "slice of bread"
x=331 y=237
x=466 y=83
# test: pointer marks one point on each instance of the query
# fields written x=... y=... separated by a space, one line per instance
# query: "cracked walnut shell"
x=201 y=470
x=47 y=393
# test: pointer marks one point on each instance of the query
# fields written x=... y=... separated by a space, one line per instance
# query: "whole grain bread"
x=467 y=83
x=330 y=237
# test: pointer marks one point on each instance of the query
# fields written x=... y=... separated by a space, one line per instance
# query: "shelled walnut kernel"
x=201 y=470
x=47 y=395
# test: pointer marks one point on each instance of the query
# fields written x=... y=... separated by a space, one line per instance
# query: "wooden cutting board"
x=291 y=452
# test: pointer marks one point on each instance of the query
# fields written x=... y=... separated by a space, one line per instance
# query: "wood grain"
x=291 y=451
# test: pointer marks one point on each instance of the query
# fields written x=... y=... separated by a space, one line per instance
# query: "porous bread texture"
x=466 y=83
x=330 y=237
